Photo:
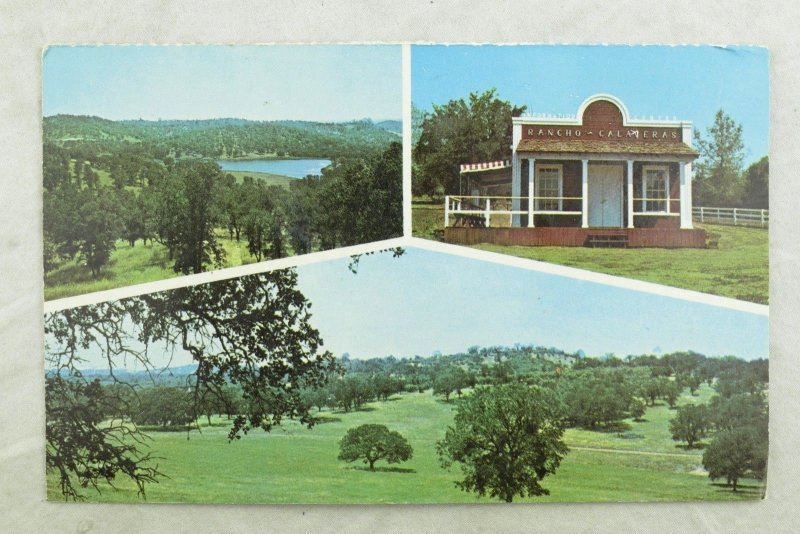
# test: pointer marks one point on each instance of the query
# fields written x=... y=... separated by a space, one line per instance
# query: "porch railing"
x=483 y=207
x=655 y=207
x=735 y=216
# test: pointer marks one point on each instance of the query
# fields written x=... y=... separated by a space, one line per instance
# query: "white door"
x=605 y=196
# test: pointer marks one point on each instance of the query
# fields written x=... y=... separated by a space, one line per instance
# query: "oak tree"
x=506 y=438
x=372 y=442
x=690 y=424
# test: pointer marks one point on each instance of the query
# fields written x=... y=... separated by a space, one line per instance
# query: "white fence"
x=735 y=216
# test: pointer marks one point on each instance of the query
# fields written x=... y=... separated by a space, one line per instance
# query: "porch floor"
x=578 y=237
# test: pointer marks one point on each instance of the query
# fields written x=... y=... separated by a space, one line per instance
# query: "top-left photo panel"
x=162 y=161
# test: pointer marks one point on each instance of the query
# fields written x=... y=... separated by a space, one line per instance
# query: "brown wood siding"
x=602 y=114
x=576 y=237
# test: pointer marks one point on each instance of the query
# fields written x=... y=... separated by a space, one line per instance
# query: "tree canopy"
x=690 y=424
x=461 y=131
x=718 y=172
x=733 y=453
x=506 y=438
x=372 y=442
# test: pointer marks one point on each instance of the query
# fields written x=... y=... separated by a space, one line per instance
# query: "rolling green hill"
x=220 y=138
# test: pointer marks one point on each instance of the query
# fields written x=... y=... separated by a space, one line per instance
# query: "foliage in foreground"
x=81 y=444
x=253 y=332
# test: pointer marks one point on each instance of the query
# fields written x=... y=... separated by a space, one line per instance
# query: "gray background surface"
x=26 y=27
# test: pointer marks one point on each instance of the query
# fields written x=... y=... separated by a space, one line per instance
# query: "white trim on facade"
x=585 y=193
x=532 y=166
x=685 y=170
x=576 y=120
x=629 y=172
x=610 y=156
x=516 y=187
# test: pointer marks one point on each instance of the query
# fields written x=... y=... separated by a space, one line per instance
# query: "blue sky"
x=429 y=301
x=426 y=301
x=323 y=83
x=689 y=82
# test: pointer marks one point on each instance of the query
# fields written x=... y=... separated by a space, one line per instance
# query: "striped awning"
x=485 y=166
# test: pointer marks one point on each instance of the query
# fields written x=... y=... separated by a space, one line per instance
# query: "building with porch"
x=600 y=178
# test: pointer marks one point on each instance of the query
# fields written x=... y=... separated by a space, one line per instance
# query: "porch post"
x=516 y=187
x=585 y=194
x=686 y=194
x=531 y=177
x=630 y=193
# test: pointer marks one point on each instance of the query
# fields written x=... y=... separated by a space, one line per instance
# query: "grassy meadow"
x=737 y=268
x=129 y=266
x=266 y=177
x=292 y=464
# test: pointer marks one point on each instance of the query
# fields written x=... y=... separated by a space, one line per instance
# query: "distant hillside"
x=220 y=138
x=391 y=126
x=169 y=375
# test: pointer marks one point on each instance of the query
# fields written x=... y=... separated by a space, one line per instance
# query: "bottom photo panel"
x=406 y=376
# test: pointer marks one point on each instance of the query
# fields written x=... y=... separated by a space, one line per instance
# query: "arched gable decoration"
x=598 y=104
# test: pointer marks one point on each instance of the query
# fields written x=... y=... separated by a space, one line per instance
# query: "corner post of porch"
x=585 y=193
x=531 y=177
x=686 y=194
x=630 y=193
x=446 y=211
x=516 y=187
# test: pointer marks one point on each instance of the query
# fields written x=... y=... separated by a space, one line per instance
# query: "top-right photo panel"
x=647 y=162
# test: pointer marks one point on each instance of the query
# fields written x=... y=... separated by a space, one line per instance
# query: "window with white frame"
x=655 y=188
x=549 y=188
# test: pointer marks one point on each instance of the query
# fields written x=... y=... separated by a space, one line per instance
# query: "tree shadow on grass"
x=450 y=402
x=324 y=419
x=355 y=410
x=382 y=469
x=216 y=424
x=76 y=274
x=610 y=428
x=695 y=447
x=744 y=489
x=166 y=429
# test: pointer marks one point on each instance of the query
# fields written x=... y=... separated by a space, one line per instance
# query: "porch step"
x=607 y=240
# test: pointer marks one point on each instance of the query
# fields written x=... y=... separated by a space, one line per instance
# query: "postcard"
x=234 y=314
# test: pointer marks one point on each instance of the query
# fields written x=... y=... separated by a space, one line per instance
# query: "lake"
x=295 y=168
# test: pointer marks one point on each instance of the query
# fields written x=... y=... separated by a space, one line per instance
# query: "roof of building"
x=585 y=146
